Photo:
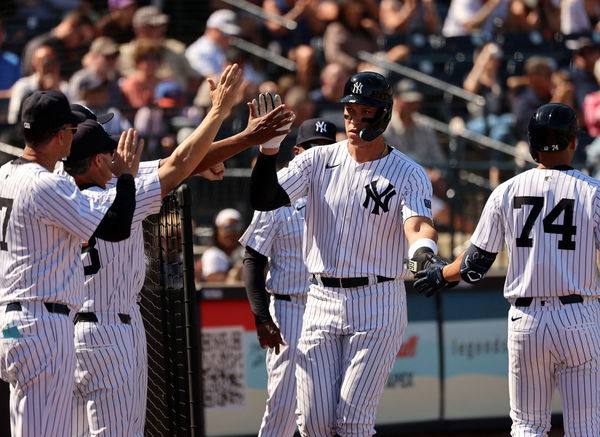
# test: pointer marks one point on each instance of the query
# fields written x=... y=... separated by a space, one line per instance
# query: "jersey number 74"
x=567 y=229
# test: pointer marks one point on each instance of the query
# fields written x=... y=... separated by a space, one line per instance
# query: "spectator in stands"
x=46 y=76
x=466 y=17
x=536 y=92
x=118 y=24
x=585 y=55
x=591 y=115
x=139 y=86
x=406 y=133
x=222 y=261
x=96 y=85
x=355 y=30
x=591 y=109
x=69 y=39
x=296 y=44
x=10 y=67
x=494 y=119
x=409 y=16
x=151 y=24
x=207 y=55
x=574 y=18
x=328 y=95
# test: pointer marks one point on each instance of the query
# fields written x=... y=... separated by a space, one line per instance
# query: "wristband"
x=422 y=242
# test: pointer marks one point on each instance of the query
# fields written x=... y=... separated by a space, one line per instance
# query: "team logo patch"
x=382 y=200
x=427 y=203
x=321 y=127
x=357 y=89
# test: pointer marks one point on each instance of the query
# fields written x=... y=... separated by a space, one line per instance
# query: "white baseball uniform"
x=44 y=217
x=110 y=375
x=549 y=220
x=278 y=235
x=354 y=229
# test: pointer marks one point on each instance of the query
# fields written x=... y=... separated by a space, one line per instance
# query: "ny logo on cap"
x=321 y=127
x=357 y=88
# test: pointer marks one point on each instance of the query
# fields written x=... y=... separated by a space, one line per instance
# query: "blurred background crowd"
x=467 y=75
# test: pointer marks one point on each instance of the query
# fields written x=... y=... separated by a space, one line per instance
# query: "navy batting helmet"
x=370 y=89
x=551 y=128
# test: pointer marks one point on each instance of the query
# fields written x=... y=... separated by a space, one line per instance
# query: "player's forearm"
x=116 y=224
x=265 y=192
x=188 y=155
x=221 y=150
x=254 y=265
x=451 y=272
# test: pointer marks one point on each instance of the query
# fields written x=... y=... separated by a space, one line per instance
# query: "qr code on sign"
x=223 y=367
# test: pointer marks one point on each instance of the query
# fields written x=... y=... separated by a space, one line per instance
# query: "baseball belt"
x=346 y=282
x=55 y=308
x=565 y=300
x=93 y=318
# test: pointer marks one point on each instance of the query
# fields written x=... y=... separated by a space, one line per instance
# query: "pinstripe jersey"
x=121 y=267
x=277 y=234
x=550 y=222
x=44 y=218
x=355 y=211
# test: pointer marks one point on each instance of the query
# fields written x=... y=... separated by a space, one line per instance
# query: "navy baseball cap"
x=48 y=110
x=91 y=115
x=316 y=129
x=89 y=140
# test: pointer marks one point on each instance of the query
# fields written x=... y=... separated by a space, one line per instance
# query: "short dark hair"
x=35 y=139
x=79 y=167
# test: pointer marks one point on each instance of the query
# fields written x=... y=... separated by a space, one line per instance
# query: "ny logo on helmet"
x=357 y=89
x=321 y=127
x=382 y=200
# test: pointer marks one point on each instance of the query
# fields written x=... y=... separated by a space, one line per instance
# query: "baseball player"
x=44 y=219
x=111 y=374
x=549 y=219
x=274 y=238
x=367 y=207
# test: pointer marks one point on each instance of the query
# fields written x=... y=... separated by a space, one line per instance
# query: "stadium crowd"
x=120 y=57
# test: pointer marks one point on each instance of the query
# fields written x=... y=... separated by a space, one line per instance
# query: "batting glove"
x=265 y=104
x=431 y=279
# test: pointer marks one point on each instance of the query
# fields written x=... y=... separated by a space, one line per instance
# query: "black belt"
x=347 y=282
x=57 y=308
x=282 y=297
x=566 y=300
x=91 y=317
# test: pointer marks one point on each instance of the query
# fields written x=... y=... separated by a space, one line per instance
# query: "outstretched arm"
x=193 y=149
x=259 y=130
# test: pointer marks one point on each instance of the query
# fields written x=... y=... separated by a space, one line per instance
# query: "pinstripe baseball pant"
x=37 y=359
x=552 y=345
x=103 y=372
x=349 y=342
x=140 y=380
x=279 y=419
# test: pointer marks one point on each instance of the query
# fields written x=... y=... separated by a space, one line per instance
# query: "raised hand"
x=226 y=94
x=126 y=158
x=265 y=104
x=262 y=128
